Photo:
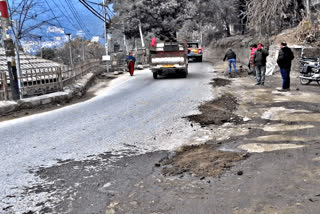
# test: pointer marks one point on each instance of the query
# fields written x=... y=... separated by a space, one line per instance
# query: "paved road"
x=134 y=113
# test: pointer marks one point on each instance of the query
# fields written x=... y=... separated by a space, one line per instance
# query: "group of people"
x=258 y=61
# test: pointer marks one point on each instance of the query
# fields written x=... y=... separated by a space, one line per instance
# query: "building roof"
x=26 y=61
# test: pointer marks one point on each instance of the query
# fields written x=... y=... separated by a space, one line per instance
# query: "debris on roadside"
x=202 y=160
x=218 y=112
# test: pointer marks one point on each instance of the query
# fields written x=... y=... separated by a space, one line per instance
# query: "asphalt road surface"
x=134 y=115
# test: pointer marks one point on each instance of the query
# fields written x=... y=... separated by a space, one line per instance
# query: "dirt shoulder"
x=261 y=155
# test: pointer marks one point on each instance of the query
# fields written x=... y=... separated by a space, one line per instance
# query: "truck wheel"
x=200 y=59
x=155 y=75
x=185 y=73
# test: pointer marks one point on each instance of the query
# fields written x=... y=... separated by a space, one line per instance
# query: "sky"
x=62 y=10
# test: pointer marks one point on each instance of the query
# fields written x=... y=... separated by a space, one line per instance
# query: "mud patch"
x=202 y=160
x=219 y=82
x=218 y=112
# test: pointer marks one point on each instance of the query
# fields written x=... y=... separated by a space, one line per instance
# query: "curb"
x=77 y=89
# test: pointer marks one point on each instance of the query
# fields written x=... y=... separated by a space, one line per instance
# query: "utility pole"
x=9 y=49
x=105 y=32
x=141 y=35
x=41 y=53
x=18 y=56
x=308 y=9
x=125 y=39
x=70 y=48
x=83 y=51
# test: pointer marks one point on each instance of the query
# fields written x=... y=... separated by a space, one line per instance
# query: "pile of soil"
x=203 y=161
x=218 y=82
x=217 y=112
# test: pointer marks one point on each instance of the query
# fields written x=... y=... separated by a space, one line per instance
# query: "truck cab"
x=195 y=51
x=168 y=57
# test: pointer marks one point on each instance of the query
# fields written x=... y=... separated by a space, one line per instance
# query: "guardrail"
x=38 y=81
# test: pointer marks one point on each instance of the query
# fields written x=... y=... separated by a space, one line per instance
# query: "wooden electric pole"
x=106 y=44
x=9 y=49
x=70 y=48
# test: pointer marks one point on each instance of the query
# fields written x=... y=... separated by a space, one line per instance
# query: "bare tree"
x=271 y=16
x=31 y=15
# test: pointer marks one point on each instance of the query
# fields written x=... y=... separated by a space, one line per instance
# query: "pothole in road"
x=218 y=82
x=202 y=160
x=218 y=112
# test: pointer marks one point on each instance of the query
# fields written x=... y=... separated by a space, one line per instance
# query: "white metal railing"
x=38 y=81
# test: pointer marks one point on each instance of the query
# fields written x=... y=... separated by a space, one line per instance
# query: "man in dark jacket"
x=284 y=61
x=260 y=61
x=231 y=56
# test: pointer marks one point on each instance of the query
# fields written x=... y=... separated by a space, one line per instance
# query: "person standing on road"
x=284 y=61
x=131 y=60
x=253 y=49
x=231 y=56
x=260 y=62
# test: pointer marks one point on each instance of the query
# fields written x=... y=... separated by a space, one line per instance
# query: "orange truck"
x=195 y=51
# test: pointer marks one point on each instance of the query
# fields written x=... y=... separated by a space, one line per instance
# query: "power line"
x=71 y=22
x=110 y=11
x=77 y=17
x=93 y=11
x=53 y=14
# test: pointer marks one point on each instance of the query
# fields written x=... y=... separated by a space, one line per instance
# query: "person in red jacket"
x=130 y=62
x=253 y=48
x=153 y=42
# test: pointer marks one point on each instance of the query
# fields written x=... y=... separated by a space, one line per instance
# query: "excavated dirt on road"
x=217 y=82
x=201 y=160
x=218 y=112
x=206 y=160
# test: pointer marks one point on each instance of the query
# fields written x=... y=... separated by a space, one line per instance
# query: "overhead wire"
x=53 y=13
x=77 y=17
x=93 y=11
x=69 y=20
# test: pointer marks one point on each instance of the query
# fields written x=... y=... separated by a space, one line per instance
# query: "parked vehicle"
x=195 y=51
x=168 y=58
x=309 y=70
